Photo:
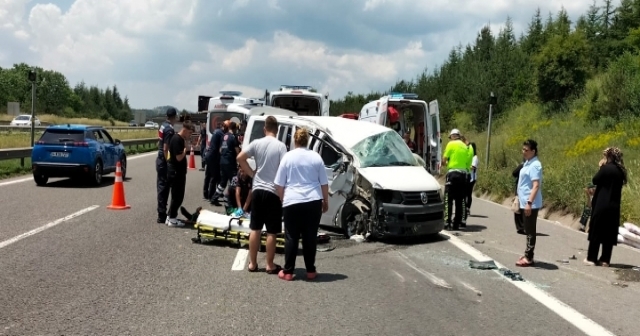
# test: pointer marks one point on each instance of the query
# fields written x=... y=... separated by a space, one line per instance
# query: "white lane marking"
x=25 y=179
x=240 y=260
x=46 y=226
x=434 y=279
x=563 y=310
x=558 y=224
x=471 y=288
x=16 y=181
x=400 y=277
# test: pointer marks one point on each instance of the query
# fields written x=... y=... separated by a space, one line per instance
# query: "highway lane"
x=118 y=272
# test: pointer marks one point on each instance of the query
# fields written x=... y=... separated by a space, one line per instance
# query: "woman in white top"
x=474 y=177
x=302 y=185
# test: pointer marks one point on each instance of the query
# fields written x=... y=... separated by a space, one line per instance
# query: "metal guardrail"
x=22 y=153
x=9 y=128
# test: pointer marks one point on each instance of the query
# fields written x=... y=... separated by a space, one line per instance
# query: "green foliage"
x=55 y=96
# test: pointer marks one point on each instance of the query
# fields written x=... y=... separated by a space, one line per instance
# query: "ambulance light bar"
x=397 y=95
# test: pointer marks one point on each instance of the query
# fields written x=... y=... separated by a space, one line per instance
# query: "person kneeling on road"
x=239 y=195
x=177 y=171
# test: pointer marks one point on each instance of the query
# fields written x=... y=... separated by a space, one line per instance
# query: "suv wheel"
x=40 y=179
x=96 y=178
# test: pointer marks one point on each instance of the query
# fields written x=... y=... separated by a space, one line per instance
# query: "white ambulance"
x=301 y=99
x=391 y=111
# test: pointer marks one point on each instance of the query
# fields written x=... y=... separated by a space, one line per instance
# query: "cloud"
x=169 y=51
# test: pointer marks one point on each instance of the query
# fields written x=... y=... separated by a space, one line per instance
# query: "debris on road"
x=631 y=274
x=483 y=265
x=563 y=261
x=357 y=238
x=573 y=257
x=620 y=284
x=515 y=276
x=479 y=241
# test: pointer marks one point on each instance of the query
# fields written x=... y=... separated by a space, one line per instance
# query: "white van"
x=426 y=122
x=375 y=187
x=302 y=99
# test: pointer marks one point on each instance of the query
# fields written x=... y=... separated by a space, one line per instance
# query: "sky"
x=167 y=52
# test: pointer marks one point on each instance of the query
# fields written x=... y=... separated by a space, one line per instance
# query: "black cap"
x=171 y=112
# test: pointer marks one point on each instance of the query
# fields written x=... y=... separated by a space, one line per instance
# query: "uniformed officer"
x=165 y=132
x=456 y=157
x=212 y=166
x=228 y=152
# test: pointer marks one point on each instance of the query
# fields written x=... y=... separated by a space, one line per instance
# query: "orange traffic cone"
x=192 y=160
x=117 y=201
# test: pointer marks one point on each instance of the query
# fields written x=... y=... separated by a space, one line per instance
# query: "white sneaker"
x=175 y=222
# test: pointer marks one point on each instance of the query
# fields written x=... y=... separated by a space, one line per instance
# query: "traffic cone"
x=117 y=201
x=192 y=160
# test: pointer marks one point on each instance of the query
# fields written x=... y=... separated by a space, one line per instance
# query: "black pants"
x=203 y=162
x=163 y=187
x=469 y=198
x=530 y=225
x=457 y=192
x=211 y=180
x=594 y=248
x=178 y=183
x=227 y=172
x=301 y=221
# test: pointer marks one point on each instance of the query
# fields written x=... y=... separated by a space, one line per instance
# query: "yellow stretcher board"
x=214 y=226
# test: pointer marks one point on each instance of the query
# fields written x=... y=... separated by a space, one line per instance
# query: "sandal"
x=523 y=262
x=252 y=270
x=275 y=270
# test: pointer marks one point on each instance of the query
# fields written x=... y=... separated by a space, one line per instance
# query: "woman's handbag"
x=515 y=205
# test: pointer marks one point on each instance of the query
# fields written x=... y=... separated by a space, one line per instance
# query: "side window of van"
x=257 y=130
x=329 y=156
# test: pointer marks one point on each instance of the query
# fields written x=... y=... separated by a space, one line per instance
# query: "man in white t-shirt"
x=266 y=207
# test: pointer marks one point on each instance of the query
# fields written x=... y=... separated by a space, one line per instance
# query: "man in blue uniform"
x=165 y=132
x=212 y=166
x=228 y=152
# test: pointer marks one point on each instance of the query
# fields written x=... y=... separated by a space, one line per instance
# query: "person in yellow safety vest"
x=457 y=158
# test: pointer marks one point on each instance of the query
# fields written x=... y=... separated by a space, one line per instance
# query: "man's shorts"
x=266 y=210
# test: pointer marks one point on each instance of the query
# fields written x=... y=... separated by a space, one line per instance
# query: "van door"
x=382 y=110
x=435 y=141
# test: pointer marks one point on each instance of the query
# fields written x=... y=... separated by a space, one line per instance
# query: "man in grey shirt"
x=266 y=207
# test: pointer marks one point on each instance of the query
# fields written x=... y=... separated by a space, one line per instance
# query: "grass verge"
x=570 y=148
x=10 y=168
x=23 y=139
x=54 y=119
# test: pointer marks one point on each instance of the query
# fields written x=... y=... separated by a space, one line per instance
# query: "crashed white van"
x=376 y=189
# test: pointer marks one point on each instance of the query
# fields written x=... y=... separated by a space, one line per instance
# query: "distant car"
x=151 y=124
x=76 y=151
x=24 y=120
x=133 y=123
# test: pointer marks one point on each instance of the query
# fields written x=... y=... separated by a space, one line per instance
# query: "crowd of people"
x=289 y=186
x=604 y=196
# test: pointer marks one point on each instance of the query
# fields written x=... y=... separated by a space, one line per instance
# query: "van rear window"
x=62 y=135
x=257 y=131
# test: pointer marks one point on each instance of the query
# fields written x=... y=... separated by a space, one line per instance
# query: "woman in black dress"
x=605 y=216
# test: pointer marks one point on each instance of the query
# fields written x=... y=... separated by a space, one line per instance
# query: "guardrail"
x=7 y=128
x=22 y=153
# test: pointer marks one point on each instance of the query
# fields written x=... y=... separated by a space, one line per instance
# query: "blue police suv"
x=76 y=151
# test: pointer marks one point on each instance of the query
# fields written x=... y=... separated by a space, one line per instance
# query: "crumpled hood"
x=400 y=178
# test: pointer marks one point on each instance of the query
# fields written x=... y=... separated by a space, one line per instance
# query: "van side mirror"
x=117 y=142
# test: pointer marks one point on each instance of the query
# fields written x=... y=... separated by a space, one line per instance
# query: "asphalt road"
x=107 y=272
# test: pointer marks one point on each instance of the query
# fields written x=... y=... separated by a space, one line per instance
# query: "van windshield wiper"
x=398 y=163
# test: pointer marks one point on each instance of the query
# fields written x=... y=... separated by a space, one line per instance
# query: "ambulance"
x=301 y=99
x=230 y=105
x=391 y=111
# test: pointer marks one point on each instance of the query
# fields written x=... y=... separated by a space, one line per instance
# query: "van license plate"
x=60 y=154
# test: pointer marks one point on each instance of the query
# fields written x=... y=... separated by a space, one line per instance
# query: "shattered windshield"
x=385 y=149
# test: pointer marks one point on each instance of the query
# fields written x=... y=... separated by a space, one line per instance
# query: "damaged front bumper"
x=417 y=214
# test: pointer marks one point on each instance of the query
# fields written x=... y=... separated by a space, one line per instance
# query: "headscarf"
x=614 y=155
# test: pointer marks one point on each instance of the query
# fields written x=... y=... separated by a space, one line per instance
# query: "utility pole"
x=492 y=101
x=32 y=79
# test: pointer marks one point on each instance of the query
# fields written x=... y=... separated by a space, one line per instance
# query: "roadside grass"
x=54 y=119
x=10 y=168
x=570 y=148
x=20 y=139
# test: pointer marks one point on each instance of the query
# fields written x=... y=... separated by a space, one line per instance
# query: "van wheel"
x=40 y=179
x=96 y=174
x=348 y=228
